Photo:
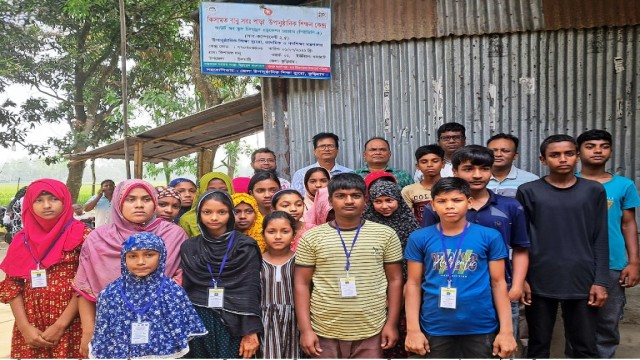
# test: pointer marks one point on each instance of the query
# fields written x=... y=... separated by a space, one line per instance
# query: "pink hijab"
x=100 y=255
x=321 y=208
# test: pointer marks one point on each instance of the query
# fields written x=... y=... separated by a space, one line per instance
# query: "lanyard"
x=146 y=307
x=450 y=267
x=26 y=243
x=214 y=282
x=344 y=246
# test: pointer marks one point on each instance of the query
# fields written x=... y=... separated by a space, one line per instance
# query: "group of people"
x=338 y=263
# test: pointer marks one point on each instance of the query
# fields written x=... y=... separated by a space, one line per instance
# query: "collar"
x=335 y=167
x=512 y=175
x=366 y=169
x=493 y=200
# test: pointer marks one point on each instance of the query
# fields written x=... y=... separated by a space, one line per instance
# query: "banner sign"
x=265 y=40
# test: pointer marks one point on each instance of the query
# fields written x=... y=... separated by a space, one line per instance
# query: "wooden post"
x=137 y=160
x=205 y=160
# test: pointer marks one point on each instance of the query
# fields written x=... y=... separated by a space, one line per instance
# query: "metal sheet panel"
x=530 y=84
x=578 y=14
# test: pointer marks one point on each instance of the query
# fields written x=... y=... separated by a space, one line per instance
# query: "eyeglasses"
x=326 y=147
x=266 y=161
x=452 y=137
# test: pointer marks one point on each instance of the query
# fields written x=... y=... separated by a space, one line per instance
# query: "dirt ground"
x=629 y=327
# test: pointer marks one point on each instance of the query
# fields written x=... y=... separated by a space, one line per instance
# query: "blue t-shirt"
x=621 y=195
x=475 y=313
x=502 y=213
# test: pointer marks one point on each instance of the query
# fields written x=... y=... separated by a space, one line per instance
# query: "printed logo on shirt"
x=465 y=261
x=609 y=203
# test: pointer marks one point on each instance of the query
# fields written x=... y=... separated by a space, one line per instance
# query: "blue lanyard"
x=146 y=307
x=26 y=243
x=214 y=282
x=344 y=245
x=450 y=267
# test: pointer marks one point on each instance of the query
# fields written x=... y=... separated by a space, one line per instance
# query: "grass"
x=7 y=191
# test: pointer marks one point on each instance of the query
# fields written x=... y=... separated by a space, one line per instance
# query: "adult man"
x=505 y=178
x=264 y=159
x=101 y=202
x=325 y=149
x=451 y=137
x=79 y=214
x=624 y=261
x=376 y=157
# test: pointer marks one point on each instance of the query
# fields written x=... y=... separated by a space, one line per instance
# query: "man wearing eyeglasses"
x=451 y=137
x=325 y=149
x=264 y=159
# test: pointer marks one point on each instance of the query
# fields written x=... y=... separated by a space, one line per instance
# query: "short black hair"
x=106 y=181
x=429 y=149
x=448 y=184
x=281 y=193
x=312 y=171
x=325 y=135
x=377 y=138
x=261 y=151
x=451 y=126
x=515 y=140
x=260 y=176
x=554 y=139
x=279 y=215
x=594 y=134
x=478 y=156
x=346 y=181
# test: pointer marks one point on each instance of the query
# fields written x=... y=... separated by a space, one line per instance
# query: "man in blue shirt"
x=505 y=178
x=325 y=149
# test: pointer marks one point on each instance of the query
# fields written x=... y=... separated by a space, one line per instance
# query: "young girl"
x=133 y=210
x=40 y=264
x=281 y=337
x=221 y=275
x=322 y=209
x=291 y=201
x=187 y=190
x=208 y=181
x=248 y=217
x=387 y=207
x=168 y=203
x=144 y=313
x=314 y=179
x=262 y=186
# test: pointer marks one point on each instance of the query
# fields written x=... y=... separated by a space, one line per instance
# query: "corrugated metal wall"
x=530 y=84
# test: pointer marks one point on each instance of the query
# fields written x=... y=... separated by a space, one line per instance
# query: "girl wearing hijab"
x=169 y=201
x=187 y=190
x=387 y=207
x=315 y=178
x=221 y=275
x=208 y=181
x=40 y=265
x=248 y=217
x=132 y=211
x=144 y=313
x=322 y=209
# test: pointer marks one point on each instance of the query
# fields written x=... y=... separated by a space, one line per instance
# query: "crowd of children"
x=339 y=265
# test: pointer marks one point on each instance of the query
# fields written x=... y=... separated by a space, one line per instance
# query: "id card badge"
x=139 y=333
x=216 y=298
x=348 y=287
x=39 y=278
x=448 y=297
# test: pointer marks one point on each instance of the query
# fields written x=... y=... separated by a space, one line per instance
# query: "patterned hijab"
x=46 y=239
x=171 y=317
x=189 y=221
x=255 y=231
x=402 y=220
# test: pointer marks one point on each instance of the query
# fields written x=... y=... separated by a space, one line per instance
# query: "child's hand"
x=504 y=345
x=526 y=294
x=416 y=343
x=249 y=345
x=53 y=333
x=310 y=343
x=33 y=337
x=597 y=296
x=389 y=336
x=84 y=343
x=515 y=293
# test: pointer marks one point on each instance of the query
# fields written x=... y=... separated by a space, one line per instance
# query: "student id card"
x=39 y=278
x=448 y=297
x=348 y=287
x=216 y=298
x=139 y=333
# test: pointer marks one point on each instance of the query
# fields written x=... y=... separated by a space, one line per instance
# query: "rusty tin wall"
x=529 y=84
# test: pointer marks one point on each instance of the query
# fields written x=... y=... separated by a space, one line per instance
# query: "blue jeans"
x=515 y=314
x=607 y=332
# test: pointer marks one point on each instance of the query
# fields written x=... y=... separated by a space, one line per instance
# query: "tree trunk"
x=74 y=179
x=167 y=171
x=93 y=177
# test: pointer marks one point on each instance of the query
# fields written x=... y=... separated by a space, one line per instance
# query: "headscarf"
x=240 y=277
x=177 y=181
x=171 y=317
x=377 y=175
x=241 y=184
x=255 y=231
x=101 y=252
x=189 y=221
x=321 y=208
x=45 y=238
x=167 y=191
x=183 y=209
